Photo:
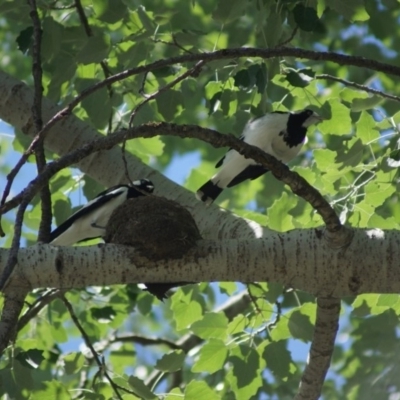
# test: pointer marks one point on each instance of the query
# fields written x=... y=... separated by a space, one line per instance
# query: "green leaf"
x=199 y=390
x=227 y=287
x=169 y=103
x=296 y=80
x=147 y=22
x=243 y=79
x=388 y=300
x=104 y=314
x=212 y=357
x=238 y=324
x=31 y=358
x=245 y=363
x=352 y=10
x=363 y=212
x=228 y=10
x=366 y=129
x=25 y=39
x=340 y=123
x=92 y=105
x=366 y=104
x=73 y=363
x=245 y=377
x=185 y=314
x=300 y=326
x=109 y=11
x=325 y=159
x=377 y=193
x=141 y=389
x=273 y=28
x=212 y=325
x=95 y=50
x=175 y=394
x=307 y=19
x=278 y=359
x=383 y=223
x=51 y=390
x=51 y=38
x=145 y=303
x=354 y=155
x=171 y=362
x=278 y=217
x=145 y=148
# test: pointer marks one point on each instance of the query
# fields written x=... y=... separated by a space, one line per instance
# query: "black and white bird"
x=91 y=220
x=281 y=134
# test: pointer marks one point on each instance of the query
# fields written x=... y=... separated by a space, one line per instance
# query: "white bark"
x=299 y=259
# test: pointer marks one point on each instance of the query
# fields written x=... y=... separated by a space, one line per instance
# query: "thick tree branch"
x=326 y=327
x=368 y=264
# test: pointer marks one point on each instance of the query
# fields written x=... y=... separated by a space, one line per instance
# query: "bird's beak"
x=318 y=118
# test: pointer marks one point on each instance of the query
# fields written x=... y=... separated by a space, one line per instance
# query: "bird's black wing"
x=219 y=163
x=251 y=172
x=98 y=201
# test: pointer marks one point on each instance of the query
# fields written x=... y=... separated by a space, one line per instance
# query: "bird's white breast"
x=266 y=133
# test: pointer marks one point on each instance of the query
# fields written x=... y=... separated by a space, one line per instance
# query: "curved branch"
x=297 y=184
x=145 y=341
x=326 y=327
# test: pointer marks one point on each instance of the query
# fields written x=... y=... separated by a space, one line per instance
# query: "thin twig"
x=290 y=38
x=86 y=338
x=173 y=43
x=192 y=71
x=358 y=86
x=45 y=196
x=38 y=306
x=145 y=341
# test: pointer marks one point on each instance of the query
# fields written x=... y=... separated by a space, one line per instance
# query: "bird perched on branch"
x=91 y=220
x=281 y=134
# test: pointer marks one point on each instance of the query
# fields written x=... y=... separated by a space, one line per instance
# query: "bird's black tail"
x=208 y=192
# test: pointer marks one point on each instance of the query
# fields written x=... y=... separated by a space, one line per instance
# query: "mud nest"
x=158 y=228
